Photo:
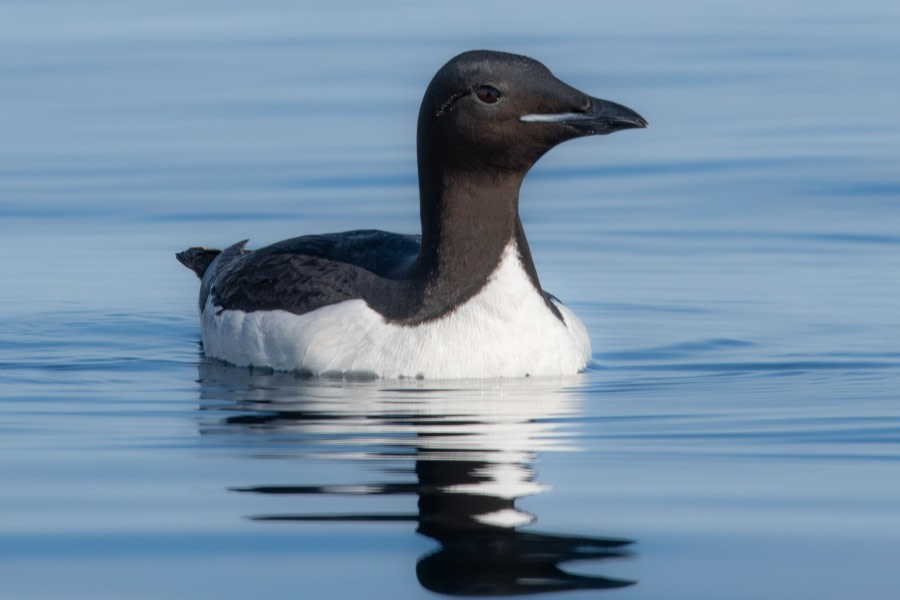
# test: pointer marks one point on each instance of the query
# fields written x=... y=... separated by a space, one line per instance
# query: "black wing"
x=380 y=252
x=302 y=274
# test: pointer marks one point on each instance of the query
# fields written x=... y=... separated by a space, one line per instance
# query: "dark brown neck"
x=468 y=219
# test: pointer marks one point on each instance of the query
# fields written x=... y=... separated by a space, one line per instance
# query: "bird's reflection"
x=472 y=448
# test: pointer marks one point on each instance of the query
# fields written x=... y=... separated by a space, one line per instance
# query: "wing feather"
x=302 y=274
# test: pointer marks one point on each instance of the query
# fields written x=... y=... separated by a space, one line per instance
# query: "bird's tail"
x=197 y=259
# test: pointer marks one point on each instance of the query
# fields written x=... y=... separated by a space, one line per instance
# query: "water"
x=736 y=265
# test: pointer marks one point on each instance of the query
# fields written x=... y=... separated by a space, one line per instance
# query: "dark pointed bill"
x=600 y=118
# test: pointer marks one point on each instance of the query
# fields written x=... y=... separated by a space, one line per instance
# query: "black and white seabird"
x=461 y=300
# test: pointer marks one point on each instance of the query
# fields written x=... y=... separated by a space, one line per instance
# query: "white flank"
x=504 y=331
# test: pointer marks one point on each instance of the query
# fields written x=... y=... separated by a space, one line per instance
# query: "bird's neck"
x=468 y=220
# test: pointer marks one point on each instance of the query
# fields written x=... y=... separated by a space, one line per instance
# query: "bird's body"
x=505 y=330
x=463 y=299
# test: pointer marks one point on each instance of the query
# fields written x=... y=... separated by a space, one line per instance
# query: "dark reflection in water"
x=472 y=447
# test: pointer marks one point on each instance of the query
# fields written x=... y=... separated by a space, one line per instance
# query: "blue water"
x=736 y=265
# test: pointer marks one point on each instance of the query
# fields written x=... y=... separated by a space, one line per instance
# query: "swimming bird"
x=461 y=300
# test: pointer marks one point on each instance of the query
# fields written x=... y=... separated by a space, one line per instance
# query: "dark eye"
x=487 y=94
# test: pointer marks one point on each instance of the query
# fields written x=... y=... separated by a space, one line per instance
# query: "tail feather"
x=197 y=259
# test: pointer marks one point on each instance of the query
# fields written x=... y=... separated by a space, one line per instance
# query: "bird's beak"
x=601 y=117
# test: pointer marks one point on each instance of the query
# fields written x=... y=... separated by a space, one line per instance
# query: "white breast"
x=506 y=330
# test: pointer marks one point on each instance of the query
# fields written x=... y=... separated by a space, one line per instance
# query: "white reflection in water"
x=470 y=447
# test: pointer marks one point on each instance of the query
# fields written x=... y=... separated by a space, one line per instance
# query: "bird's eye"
x=487 y=94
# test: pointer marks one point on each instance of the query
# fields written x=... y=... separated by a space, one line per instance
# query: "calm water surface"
x=738 y=435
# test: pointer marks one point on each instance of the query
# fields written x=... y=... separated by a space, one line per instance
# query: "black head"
x=498 y=111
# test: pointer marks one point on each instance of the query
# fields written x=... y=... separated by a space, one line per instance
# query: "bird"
x=462 y=299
